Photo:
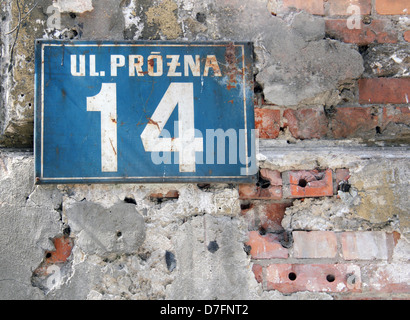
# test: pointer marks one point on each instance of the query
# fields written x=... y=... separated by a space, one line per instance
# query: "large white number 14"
x=181 y=94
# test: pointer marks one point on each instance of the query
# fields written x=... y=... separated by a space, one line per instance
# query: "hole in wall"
x=286 y=239
x=246 y=206
x=74 y=33
x=203 y=186
x=247 y=248
x=67 y=231
x=292 y=276
x=170 y=260
x=262 y=183
x=48 y=255
x=367 y=20
x=351 y=279
x=378 y=130
x=363 y=49
x=200 y=17
x=330 y=278
x=213 y=246
x=257 y=88
x=344 y=186
x=130 y=200
x=302 y=183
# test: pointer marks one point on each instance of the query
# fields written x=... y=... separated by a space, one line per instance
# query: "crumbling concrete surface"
x=126 y=244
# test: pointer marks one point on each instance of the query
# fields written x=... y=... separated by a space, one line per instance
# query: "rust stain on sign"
x=113 y=148
x=154 y=123
x=232 y=69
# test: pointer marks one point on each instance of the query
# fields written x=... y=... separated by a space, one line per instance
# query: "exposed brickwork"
x=288 y=278
x=399 y=7
x=63 y=248
x=346 y=121
x=258 y=271
x=378 y=31
x=268 y=188
x=306 y=123
x=314 y=244
x=286 y=186
x=342 y=175
x=345 y=264
x=314 y=183
x=387 y=278
x=384 y=90
x=340 y=7
x=366 y=245
x=265 y=214
x=267 y=121
x=266 y=247
x=172 y=194
x=307 y=267
x=406 y=35
x=396 y=115
x=349 y=122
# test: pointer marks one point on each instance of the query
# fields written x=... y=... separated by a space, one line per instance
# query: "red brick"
x=387 y=278
x=273 y=176
x=267 y=121
x=393 y=7
x=265 y=214
x=367 y=245
x=396 y=115
x=266 y=246
x=339 y=7
x=384 y=90
x=289 y=278
x=314 y=183
x=274 y=213
x=378 y=31
x=306 y=123
x=63 y=247
x=314 y=244
x=353 y=121
x=406 y=35
x=342 y=175
x=172 y=194
x=312 y=6
x=251 y=191
x=272 y=192
x=258 y=271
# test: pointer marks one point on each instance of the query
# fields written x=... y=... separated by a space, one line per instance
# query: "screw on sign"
x=144 y=111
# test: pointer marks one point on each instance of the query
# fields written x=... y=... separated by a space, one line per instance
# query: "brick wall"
x=367 y=107
x=348 y=264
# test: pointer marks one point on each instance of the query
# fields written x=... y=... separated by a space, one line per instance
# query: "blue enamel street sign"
x=144 y=112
